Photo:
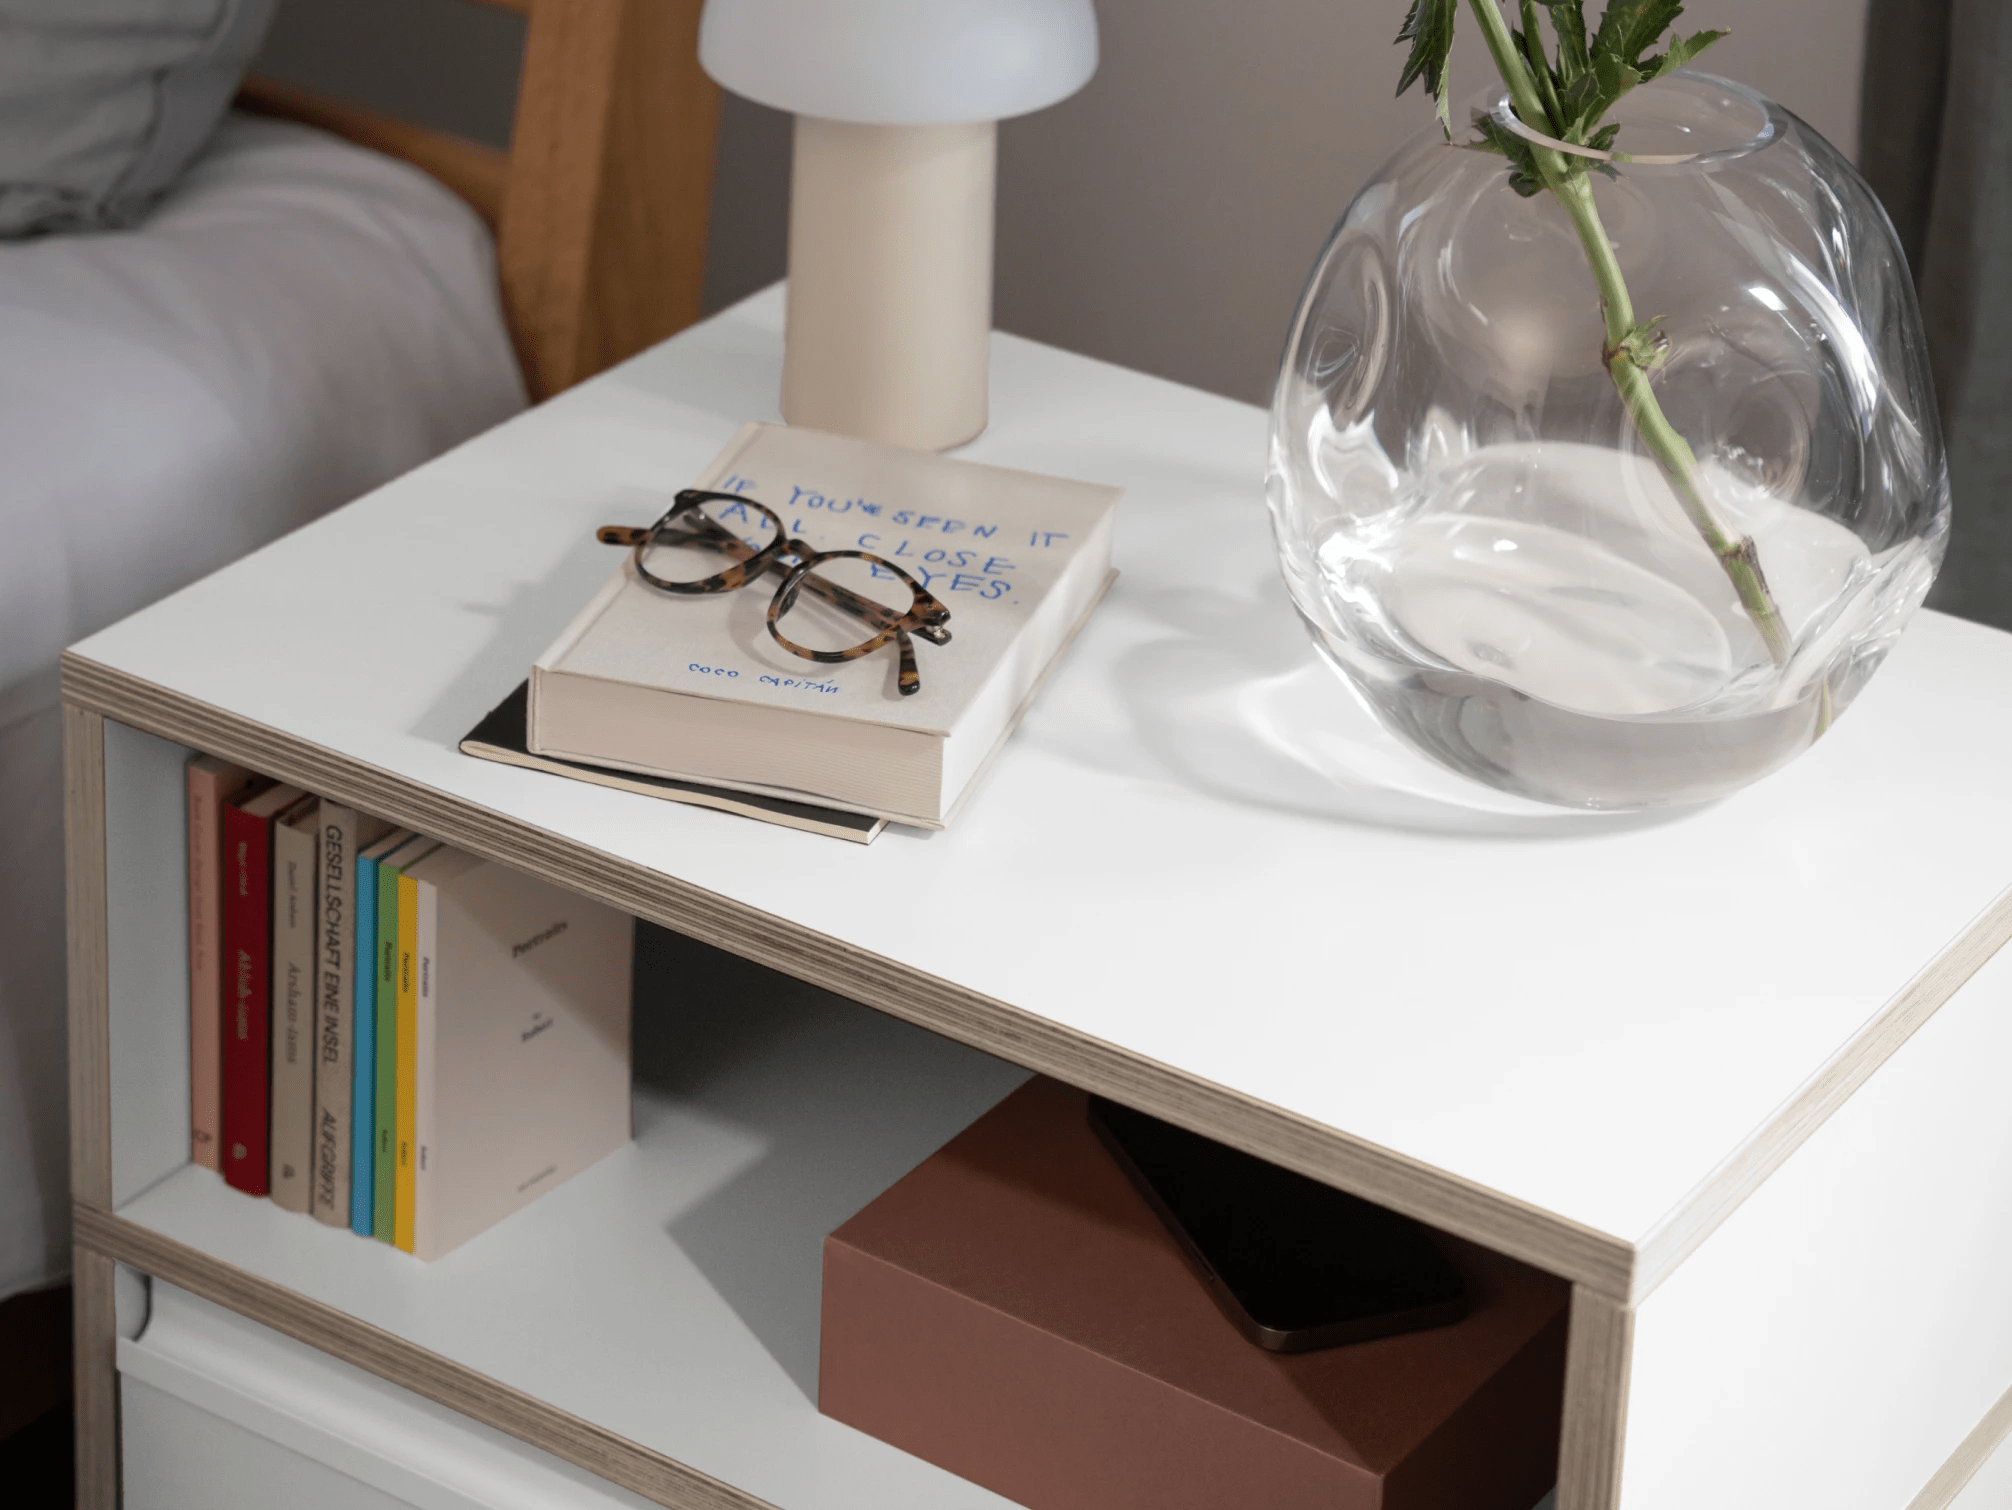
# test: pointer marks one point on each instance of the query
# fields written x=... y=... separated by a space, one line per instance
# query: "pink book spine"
x=211 y=783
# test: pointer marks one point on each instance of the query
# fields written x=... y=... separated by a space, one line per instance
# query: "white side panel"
x=219 y=1412
x=147 y=924
x=1834 y=1342
x=177 y=1457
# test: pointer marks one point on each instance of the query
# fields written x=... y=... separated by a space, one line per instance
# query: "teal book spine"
x=363 y=1057
x=385 y=1101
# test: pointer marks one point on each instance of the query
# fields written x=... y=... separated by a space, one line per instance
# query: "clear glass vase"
x=1470 y=520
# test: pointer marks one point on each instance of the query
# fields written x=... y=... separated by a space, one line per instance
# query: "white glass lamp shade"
x=900 y=62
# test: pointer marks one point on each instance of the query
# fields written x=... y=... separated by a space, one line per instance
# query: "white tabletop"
x=1175 y=854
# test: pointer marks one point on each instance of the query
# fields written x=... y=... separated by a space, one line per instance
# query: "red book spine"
x=247 y=975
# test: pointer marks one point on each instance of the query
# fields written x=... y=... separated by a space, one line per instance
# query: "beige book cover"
x=522 y=1059
x=290 y=1151
x=693 y=687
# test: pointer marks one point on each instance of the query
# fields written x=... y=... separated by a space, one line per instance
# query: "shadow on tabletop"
x=844 y=1100
x=529 y=619
x=1238 y=704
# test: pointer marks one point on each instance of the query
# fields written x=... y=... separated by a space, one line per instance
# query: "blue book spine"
x=363 y=1092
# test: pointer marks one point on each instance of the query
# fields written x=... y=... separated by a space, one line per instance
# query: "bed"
x=303 y=318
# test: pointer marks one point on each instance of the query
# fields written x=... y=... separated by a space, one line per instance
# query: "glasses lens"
x=705 y=540
x=844 y=602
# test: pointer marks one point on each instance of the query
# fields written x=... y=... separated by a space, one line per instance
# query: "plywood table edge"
x=392 y=1358
x=1744 y=1171
x=95 y=1389
x=95 y=1380
x=1544 y=1239
x=85 y=911
x=1971 y=1454
x=1599 y=1356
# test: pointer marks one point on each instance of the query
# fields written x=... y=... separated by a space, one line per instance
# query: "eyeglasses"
x=830 y=606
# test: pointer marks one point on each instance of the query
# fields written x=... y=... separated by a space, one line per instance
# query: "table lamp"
x=890 y=225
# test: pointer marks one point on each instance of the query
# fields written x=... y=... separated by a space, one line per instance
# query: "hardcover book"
x=502 y=737
x=692 y=687
x=291 y=1134
x=211 y=783
x=247 y=1027
x=521 y=1042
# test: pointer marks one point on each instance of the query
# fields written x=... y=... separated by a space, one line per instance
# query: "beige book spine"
x=293 y=997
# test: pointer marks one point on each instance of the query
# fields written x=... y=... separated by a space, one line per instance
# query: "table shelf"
x=668 y=1296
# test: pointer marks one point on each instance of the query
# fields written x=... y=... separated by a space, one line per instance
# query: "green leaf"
x=1524 y=176
x=1682 y=50
x=1603 y=139
x=1631 y=27
x=1429 y=29
x=1613 y=79
x=1615 y=64
x=1568 y=20
x=1580 y=102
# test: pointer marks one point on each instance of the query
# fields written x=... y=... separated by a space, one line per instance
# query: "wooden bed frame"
x=600 y=205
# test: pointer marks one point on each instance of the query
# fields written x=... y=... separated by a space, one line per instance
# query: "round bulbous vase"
x=1472 y=525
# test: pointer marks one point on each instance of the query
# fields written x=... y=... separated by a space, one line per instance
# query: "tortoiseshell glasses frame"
x=685 y=524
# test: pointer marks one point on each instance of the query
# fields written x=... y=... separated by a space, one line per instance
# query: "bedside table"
x=1737 y=1075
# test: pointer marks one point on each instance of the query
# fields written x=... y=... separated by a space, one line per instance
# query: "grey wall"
x=1165 y=217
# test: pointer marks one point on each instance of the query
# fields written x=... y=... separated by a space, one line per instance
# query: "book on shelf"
x=210 y=783
x=341 y=832
x=692 y=687
x=247 y=936
x=290 y=1132
x=383 y=1148
x=521 y=1042
x=363 y=1056
x=417 y=1042
x=405 y=1107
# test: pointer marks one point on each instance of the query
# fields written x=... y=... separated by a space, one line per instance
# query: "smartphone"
x=1296 y=1265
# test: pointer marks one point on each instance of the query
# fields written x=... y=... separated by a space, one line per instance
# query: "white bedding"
x=299 y=322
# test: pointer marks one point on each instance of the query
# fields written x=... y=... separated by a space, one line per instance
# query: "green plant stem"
x=1572 y=185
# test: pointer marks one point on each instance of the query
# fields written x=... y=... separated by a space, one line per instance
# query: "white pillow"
x=104 y=102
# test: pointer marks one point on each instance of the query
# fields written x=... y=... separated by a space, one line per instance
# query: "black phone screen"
x=1295 y=1263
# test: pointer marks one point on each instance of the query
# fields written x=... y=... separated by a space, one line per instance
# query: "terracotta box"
x=1014 y=1312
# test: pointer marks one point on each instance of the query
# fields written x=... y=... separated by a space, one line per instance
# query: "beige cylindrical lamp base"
x=890 y=280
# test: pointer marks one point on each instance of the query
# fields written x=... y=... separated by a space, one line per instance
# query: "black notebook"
x=500 y=736
x=1294 y=1264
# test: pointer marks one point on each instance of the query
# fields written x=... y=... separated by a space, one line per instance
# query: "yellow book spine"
x=408 y=1059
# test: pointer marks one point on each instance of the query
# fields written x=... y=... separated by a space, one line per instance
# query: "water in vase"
x=1542 y=617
